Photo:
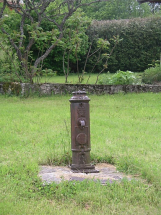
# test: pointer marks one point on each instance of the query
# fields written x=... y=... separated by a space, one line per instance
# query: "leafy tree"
x=118 y=9
x=74 y=42
x=29 y=30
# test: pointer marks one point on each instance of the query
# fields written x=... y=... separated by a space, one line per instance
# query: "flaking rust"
x=80 y=133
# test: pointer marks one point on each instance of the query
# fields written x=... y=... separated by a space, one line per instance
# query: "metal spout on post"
x=80 y=133
x=82 y=123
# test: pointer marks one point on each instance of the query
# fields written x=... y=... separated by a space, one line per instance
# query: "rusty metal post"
x=80 y=133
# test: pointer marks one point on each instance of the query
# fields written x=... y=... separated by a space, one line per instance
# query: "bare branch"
x=87 y=57
x=10 y=39
x=71 y=10
x=2 y=9
x=46 y=53
x=22 y=30
x=116 y=42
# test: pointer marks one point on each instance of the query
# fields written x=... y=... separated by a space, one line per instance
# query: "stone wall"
x=52 y=89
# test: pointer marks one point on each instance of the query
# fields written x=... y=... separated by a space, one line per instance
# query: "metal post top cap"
x=79 y=96
x=79 y=92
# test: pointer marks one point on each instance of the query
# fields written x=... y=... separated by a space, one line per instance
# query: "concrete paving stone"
x=107 y=173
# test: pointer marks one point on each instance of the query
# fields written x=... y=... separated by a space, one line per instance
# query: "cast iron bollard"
x=80 y=133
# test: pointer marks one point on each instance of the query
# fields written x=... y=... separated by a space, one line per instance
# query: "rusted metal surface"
x=80 y=133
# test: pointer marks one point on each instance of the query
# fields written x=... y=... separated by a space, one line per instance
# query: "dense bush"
x=140 y=45
x=152 y=75
x=119 y=78
x=9 y=67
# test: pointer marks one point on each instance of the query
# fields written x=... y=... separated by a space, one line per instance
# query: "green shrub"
x=9 y=66
x=119 y=78
x=140 y=45
x=152 y=75
x=8 y=77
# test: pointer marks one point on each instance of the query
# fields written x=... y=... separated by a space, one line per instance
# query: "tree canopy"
x=121 y=9
x=27 y=19
x=52 y=32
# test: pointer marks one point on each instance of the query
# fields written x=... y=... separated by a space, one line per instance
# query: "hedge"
x=141 y=44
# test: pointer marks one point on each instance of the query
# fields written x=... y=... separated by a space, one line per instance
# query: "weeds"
x=152 y=75
x=119 y=78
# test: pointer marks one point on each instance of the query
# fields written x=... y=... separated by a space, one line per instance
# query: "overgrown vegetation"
x=125 y=131
x=24 y=28
x=152 y=75
x=119 y=78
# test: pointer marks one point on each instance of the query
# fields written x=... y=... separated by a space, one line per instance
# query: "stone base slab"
x=107 y=173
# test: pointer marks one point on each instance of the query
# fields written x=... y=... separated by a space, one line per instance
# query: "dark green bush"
x=11 y=77
x=141 y=44
x=152 y=75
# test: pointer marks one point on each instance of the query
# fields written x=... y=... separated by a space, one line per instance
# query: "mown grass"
x=125 y=131
x=73 y=78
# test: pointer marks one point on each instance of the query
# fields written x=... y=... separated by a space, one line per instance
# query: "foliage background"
x=139 y=48
x=140 y=44
x=120 y=9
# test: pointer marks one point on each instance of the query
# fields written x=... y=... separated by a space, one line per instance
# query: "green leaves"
x=119 y=78
x=139 y=42
x=103 y=44
x=118 y=9
x=74 y=33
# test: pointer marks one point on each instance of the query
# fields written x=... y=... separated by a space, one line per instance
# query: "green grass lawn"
x=72 y=79
x=125 y=131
